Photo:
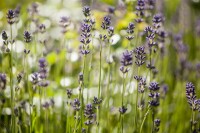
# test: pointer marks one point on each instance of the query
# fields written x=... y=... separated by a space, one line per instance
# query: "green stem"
x=122 y=122
x=123 y=90
x=11 y=84
x=145 y=116
x=76 y=122
x=152 y=121
x=99 y=90
x=193 y=120
x=136 y=104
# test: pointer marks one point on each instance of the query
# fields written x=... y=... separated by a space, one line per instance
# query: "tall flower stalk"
x=140 y=60
x=28 y=39
x=126 y=61
x=194 y=104
x=11 y=21
x=86 y=28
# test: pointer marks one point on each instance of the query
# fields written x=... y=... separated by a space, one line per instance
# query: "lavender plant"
x=45 y=46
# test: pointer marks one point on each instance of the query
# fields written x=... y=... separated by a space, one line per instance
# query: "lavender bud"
x=158 y=18
x=122 y=110
x=11 y=17
x=126 y=61
x=130 y=31
x=80 y=77
x=157 y=125
x=42 y=28
x=106 y=22
x=27 y=37
x=89 y=111
x=97 y=101
x=69 y=93
x=110 y=31
x=76 y=104
x=140 y=55
x=139 y=20
x=142 y=85
x=86 y=11
x=154 y=86
x=191 y=96
x=46 y=105
x=4 y=36
x=17 y=12
x=140 y=8
x=111 y=9
x=33 y=9
x=151 y=4
x=3 y=81
x=64 y=23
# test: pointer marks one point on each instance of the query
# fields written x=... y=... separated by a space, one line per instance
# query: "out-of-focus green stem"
x=136 y=104
x=145 y=116
x=99 y=90
x=13 y=124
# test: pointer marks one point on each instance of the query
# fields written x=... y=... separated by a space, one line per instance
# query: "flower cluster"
x=69 y=93
x=150 y=4
x=64 y=23
x=126 y=61
x=191 y=96
x=33 y=9
x=140 y=55
x=97 y=102
x=2 y=81
x=140 y=7
x=158 y=19
x=105 y=25
x=5 y=42
x=86 y=29
x=130 y=31
x=157 y=125
x=27 y=36
x=76 y=104
x=89 y=114
x=86 y=11
x=154 y=95
x=106 y=22
x=17 y=13
x=11 y=17
x=150 y=36
x=122 y=110
x=42 y=28
x=35 y=78
x=43 y=72
x=49 y=103
x=142 y=85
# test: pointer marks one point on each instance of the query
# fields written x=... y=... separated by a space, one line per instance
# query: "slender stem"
x=108 y=87
x=136 y=104
x=82 y=88
x=40 y=93
x=152 y=121
x=150 y=62
x=76 y=122
x=193 y=120
x=123 y=90
x=11 y=83
x=122 y=123
x=99 y=90
x=145 y=116
x=109 y=75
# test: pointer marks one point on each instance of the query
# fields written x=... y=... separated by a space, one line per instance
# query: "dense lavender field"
x=99 y=66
